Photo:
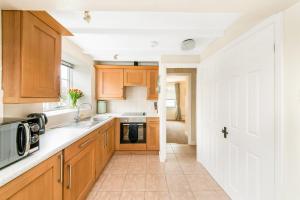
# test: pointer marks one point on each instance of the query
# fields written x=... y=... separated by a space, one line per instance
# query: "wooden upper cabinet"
x=41 y=57
x=135 y=77
x=31 y=56
x=109 y=84
x=152 y=84
x=41 y=182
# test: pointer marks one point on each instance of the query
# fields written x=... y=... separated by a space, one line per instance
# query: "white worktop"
x=120 y=115
x=52 y=142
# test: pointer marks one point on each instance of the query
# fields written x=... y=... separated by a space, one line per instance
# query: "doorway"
x=177 y=103
x=180 y=120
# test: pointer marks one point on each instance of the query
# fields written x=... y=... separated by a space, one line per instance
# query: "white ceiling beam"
x=208 y=33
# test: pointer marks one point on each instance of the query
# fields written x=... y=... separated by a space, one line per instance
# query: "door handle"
x=225 y=132
x=70 y=177
x=61 y=162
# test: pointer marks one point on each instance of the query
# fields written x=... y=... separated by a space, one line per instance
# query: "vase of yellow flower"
x=75 y=94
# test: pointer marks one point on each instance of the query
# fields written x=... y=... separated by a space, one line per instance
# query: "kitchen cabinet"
x=41 y=182
x=109 y=84
x=152 y=84
x=100 y=153
x=104 y=146
x=79 y=170
x=31 y=56
x=135 y=77
x=153 y=134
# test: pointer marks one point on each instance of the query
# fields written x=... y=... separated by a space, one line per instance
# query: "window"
x=171 y=96
x=66 y=82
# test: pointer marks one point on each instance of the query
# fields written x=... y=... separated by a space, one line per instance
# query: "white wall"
x=136 y=101
x=291 y=29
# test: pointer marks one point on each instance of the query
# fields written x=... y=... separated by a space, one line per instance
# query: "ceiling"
x=130 y=28
x=142 y=36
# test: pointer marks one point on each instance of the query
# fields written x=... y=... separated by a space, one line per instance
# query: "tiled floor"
x=141 y=176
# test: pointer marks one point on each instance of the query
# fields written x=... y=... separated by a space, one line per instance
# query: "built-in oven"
x=132 y=130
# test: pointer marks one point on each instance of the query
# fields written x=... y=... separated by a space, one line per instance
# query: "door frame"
x=188 y=111
x=279 y=154
x=161 y=103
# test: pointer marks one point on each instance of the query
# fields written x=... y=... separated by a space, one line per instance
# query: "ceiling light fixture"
x=116 y=56
x=154 y=43
x=87 y=16
x=188 y=44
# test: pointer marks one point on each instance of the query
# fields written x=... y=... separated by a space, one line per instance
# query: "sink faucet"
x=77 y=117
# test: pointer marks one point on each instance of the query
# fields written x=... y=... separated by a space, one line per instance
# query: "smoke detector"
x=188 y=44
x=87 y=16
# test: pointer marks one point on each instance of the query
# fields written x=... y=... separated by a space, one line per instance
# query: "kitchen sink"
x=86 y=123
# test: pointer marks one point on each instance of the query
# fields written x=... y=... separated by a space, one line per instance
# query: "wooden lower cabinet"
x=43 y=182
x=79 y=175
x=100 y=153
x=152 y=134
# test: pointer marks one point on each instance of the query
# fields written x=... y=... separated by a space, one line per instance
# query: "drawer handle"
x=70 y=177
x=61 y=158
x=85 y=143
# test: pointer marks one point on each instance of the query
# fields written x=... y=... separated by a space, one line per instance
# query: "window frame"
x=62 y=104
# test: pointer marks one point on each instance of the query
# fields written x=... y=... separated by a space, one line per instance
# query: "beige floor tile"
x=182 y=195
x=99 y=181
x=156 y=182
x=198 y=182
x=137 y=168
x=107 y=196
x=132 y=196
x=135 y=182
x=92 y=194
x=173 y=168
x=152 y=158
x=192 y=168
x=113 y=182
x=157 y=196
x=206 y=195
x=155 y=168
x=222 y=195
x=135 y=158
x=177 y=183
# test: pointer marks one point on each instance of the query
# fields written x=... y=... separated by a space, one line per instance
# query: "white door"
x=243 y=84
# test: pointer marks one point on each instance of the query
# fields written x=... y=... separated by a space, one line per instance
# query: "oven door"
x=133 y=133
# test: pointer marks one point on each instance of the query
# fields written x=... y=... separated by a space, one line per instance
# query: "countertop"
x=52 y=142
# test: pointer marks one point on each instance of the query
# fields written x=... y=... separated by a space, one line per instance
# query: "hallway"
x=176 y=132
x=139 y=176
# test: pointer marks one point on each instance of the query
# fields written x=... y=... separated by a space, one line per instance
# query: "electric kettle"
x=42 y=120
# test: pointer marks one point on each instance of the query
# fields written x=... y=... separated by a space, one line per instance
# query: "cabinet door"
x=110 y=140
x=41 y=49
x=152 y=84
x=110 y=83
x=152 y=136
x=135 y=77
x=80 y=174
x=43 y=182
x=100 y=153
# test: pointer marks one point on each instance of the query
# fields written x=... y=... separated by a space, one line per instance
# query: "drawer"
x=152 y=119
x=78 y=146
x=107 y=125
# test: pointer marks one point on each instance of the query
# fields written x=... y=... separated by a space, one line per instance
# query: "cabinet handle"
x=61 y=158
x=85 y=143
x=70 y=177
x=106 y=139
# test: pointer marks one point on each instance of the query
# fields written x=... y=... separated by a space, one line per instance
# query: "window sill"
x=59 y=112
